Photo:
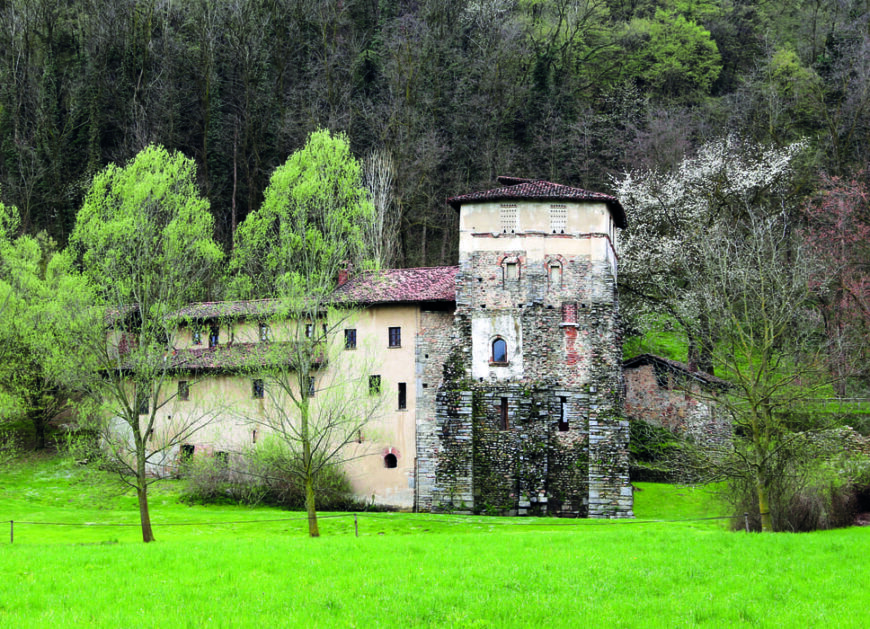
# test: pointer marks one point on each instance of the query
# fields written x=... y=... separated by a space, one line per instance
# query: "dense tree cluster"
x=455 y=92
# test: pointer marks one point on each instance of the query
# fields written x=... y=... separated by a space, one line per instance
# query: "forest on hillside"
x=455 y=91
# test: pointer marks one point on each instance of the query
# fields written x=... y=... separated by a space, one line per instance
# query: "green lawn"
x=410 y=570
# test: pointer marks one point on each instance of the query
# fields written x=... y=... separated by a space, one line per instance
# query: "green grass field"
x=407 y=569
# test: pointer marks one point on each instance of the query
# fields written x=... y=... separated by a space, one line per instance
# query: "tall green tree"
x=311 y=226
x=144 y=238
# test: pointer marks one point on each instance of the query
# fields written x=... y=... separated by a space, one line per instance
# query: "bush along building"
x=527 y=418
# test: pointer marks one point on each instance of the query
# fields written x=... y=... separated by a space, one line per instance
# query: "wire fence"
x=440 y=518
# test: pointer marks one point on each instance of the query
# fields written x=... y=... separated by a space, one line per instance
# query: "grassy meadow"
x=407 y=569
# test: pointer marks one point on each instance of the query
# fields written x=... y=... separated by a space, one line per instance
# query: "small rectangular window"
x=395 y=337
x=222 y=459
x=511 y=270
x=196 y=335
x=183 y=390
x=504 y=420
x=403 y=396
x=555 y=276
x=563 y=414
x=309 y=330
x=264 y=331
x=214 y=336
x=374 y=385
x=308 y=383
x=350 y=338
x=258 y=388
x=325 y=328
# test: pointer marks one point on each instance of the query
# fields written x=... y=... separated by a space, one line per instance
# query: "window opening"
x=374 y=385
x=390 y=461
x=555 y=276
x=563 y=414
x=558 y=218
x=214 y=335
x=222 y=459
x=309 y=385
x=504 y=420
x=511 y=270
x=309 y=330
x=395 y=337
x=403 y=396
x=264 y=331
x=196 y=335
x=258 y=388
x=187 y=451
x=569 y=313
x=508 y=218
x=324 y=328
x=183 y=390
x=142 y=402
x=254 y=436
x=350 y=339
x=499 y=351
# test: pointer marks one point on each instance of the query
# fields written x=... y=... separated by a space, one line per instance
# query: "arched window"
x=499 y=351
x=390 y=460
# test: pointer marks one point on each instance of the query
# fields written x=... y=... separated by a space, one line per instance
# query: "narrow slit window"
x=183 y=390
x=503 y=417
x=196 y=335
x=264 y=331
x=563 y=414
x=499 y=351
x=309 y=330
x=555 y=275
x=214 y=336
x=403 y=396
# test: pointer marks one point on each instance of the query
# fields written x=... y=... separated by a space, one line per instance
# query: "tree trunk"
x=144 y=516
x=764 y=507
x=313 y=529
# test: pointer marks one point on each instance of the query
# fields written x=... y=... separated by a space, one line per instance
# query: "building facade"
x=501 y=377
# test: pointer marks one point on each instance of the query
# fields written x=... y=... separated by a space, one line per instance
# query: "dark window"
x=403 y=396
x=374 y=385
x=196 y=335
x=309 y=330
x=254 y=436
x=142 y=402
x=563 y=414
x=214 y=336
x=183 y=390
x=350 y=339
x=259 y=389
x=504 y=420
x=264 y=331
x=222 y=459
x=309 y=385
x=324 y=328
x=395 y=337
x=499 y=351
x=187 y=453
x=390 y=460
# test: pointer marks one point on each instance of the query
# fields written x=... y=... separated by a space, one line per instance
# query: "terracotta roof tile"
x=516 y=188
x=426 y=284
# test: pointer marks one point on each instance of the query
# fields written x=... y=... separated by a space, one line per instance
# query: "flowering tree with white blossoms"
x=669 y=217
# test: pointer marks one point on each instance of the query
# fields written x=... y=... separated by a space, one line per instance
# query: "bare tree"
x=383 y=232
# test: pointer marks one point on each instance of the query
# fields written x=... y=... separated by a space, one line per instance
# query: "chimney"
x=344 y=274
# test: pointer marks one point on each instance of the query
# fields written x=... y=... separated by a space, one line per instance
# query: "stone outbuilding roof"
x=422 y=284
x=518 y=189
x=667 y=364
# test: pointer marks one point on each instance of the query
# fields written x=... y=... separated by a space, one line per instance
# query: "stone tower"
x=528 y=415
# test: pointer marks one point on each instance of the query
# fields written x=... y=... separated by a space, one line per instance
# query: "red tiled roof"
x=435 y=283
x=233 y=356
x=516 y=188
x=232 y=309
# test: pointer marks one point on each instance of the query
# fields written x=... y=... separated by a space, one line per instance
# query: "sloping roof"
x=423 y=284
x=232 y=309
x=516 y=188
x=233 y=356
x=675 y=366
